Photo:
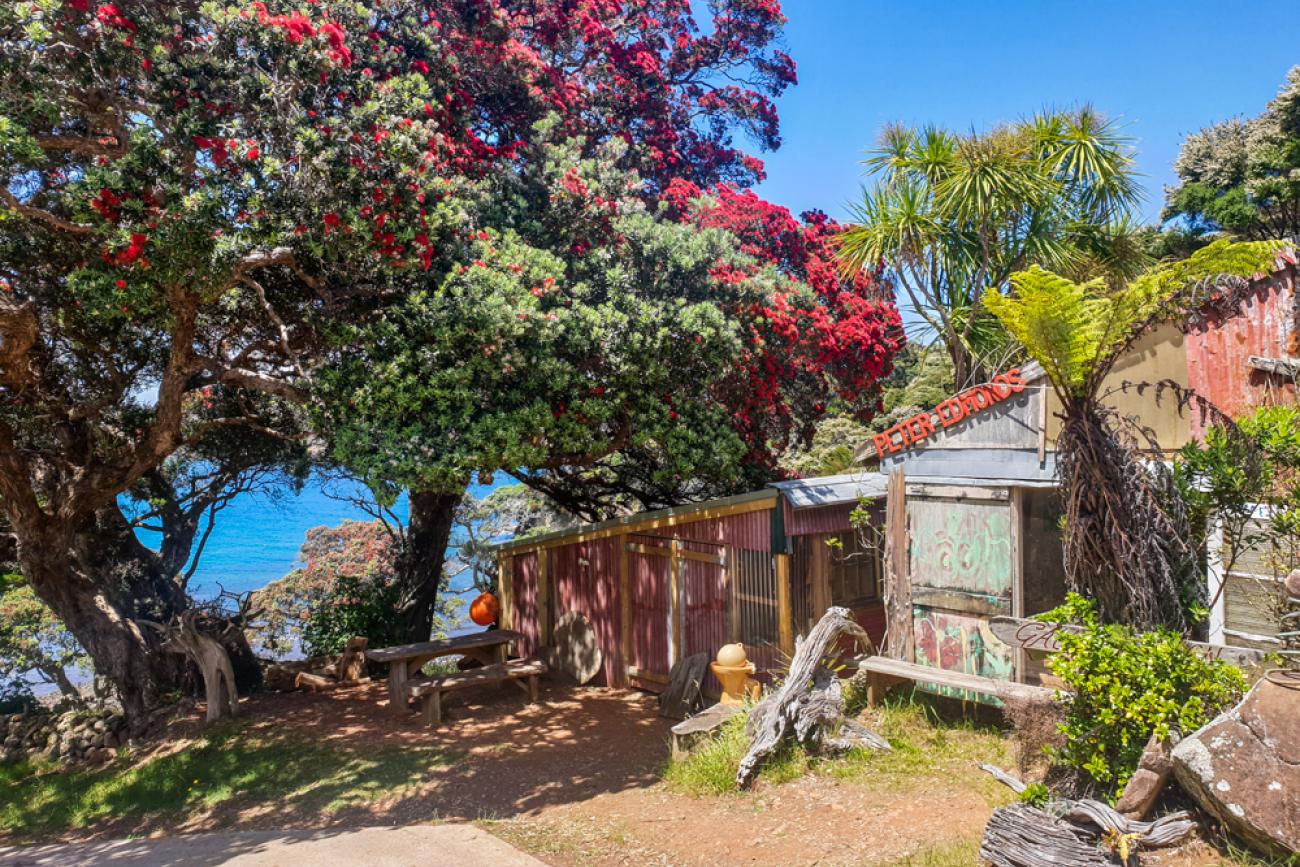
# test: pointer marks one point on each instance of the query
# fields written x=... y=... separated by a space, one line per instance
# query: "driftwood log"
x=189 y=634
x=807 y=708
x=1023 y=836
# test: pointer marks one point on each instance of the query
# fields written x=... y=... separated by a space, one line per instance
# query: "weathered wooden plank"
x=897 y=668
x=1019 y=660
x=445 y=647
x=957 y=600
x=495 y=673
x=684 y=681
x=1039 y=635
x=955 y=492
x=899 y=638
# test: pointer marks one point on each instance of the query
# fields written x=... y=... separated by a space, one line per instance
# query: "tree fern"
x=1076 y=330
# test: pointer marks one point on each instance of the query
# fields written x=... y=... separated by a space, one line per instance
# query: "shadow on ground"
x=341 y=759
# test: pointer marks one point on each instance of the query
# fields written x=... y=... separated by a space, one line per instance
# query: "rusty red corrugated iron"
x=1218 y=350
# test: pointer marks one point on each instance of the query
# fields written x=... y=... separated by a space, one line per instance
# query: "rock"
x=1153 y=772
x=99 y=725
x=1244 y=768
x=1293 y=583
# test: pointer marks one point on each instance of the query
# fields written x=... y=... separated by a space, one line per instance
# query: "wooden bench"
x=884 y=672
x=430 y=689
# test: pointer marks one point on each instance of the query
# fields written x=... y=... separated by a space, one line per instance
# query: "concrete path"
x=424 y=845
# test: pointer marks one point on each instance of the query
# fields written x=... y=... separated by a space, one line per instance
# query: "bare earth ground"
x=575 y=781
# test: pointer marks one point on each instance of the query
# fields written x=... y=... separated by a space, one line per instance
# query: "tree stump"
x=807 y=708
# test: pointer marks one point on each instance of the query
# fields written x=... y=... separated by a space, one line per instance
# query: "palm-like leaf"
x=1075 y=330
x=954 y=215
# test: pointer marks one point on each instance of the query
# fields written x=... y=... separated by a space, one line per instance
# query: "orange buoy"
x=484 y=609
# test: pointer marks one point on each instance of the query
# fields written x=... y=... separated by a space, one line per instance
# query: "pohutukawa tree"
x=559 y=319
x=206 y=205
x=1127 y=544
x=168 y=191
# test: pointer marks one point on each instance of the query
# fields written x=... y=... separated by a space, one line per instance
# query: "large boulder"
x=1244 y=768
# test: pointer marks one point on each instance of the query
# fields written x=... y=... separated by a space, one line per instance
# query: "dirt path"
x=574 y=780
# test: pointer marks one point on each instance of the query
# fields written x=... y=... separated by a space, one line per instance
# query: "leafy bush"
x=1035 y=795
x=1128 y=685
x=345 y=585
x=353 y=606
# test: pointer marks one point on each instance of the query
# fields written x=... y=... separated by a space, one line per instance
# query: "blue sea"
x=256 y=537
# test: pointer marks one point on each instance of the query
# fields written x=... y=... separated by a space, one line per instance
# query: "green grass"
x=961 y=853
x=281 y=773
x=925 y=747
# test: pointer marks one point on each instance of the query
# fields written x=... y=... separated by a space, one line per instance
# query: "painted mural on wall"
x=961 y=546
x=959 y=642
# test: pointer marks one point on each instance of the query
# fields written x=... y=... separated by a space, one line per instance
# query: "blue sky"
x=1163 y=69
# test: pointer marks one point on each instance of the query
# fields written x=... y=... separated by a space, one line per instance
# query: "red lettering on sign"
x=956 y=409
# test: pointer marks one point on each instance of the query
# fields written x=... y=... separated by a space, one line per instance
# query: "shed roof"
x=831 y=490
x=642 y=521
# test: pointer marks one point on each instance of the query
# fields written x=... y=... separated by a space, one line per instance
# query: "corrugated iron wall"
x=524 y=593
x=1218 y=348
x=585 y=579
x=650 y=612
x=754 y=616
x=751 y=531
x=820 y=519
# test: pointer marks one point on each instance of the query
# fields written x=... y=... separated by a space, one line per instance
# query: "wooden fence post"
x=899 y=638
x=506 y=589
x=625 y=602
x=675 y=617
x=544 y=596
x=784 y=607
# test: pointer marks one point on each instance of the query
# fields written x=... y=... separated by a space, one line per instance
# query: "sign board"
x=954 y=410
x=1041 y=636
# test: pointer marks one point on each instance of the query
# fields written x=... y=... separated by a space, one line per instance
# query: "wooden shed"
x=659 y=586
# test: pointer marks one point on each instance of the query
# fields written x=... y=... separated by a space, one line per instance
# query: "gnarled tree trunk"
x=428 y=532
x=100 y=581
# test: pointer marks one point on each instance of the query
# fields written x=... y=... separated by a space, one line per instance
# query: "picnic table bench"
x=405 y=661
x=430 y=689
x=884 y=672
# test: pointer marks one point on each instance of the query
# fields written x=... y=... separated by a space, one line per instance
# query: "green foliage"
x=1035 y=795
x=1242 y=177
x=353 y=606
x=1075 y=330
x=954 y=215
x=345 y=586
x=1127 y=686
x=226 y=766
x=925 y=748
x=16 y=697
x=33 y=641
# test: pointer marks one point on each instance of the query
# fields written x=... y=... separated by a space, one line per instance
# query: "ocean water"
x=256 y=538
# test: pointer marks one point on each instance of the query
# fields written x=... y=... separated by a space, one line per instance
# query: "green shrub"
x=353 y=606
x=1128 y=685
x=1035 y=795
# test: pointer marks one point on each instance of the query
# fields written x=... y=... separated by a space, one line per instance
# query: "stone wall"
x=72 y=736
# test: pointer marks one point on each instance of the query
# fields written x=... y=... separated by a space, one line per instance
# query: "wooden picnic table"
x=405 y=662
